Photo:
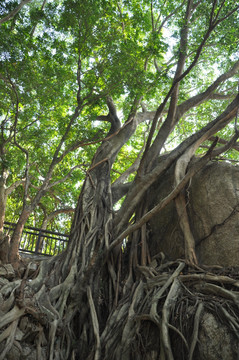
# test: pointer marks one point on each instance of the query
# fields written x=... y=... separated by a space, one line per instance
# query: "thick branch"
x=207 y=94
x=173 y=91
x=14 y=12
x=119 y=190
x=192 y=171
x=152 y=153
x=181 y=204
x=162 y=203
x=123 y=177
x=141 y=184
x=112 y=117
x=197 y=99
x=221 y=96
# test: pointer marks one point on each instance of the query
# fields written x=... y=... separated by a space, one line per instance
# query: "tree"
x=28 y=133
x=171 y=71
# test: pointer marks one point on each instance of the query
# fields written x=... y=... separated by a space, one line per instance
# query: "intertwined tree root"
x=159 y=317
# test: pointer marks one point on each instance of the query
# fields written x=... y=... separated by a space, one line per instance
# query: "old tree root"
x=159 y=317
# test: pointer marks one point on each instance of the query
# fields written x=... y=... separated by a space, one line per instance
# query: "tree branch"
x=166 y=18
x=146 y=161
x=14 y=12
x=60 y=181
x=53 y=214
x=12 y=187
x=34 y=27
x=191 y=172
x=119 y=190
x=224 y=142
x=141 y=184
x=129 y=171
x=207 y=94
x=112 y=116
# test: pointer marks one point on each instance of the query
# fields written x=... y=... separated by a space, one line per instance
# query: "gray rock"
x=213 y=210
x=216 y=342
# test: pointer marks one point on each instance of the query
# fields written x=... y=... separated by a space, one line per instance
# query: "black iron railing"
x=37 y=241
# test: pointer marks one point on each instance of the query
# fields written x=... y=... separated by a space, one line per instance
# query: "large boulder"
x=213 y=210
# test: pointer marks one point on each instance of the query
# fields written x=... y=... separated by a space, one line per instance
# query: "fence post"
x=38 y=242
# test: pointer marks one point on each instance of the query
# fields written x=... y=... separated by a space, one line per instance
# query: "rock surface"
x=215 y=341
x=213 y=210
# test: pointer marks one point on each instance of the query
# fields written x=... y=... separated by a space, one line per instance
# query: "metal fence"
x=37 y=241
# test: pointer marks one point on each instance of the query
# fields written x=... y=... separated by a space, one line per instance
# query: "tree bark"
x=4 y=243
x=16 y=237
x=2 y=208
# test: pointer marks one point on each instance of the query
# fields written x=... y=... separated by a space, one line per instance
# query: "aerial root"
x=218 y=291
x=232 y=320
x=52 y=335
x=11 y=316
x=195 y=330
x=95 y=324
x=32 y=315
x=10 y=339
x=169 y=302
x=189 y=242
x=160 y=292
x=180 y=334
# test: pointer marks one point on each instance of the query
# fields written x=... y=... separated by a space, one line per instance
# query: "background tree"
x=164 y=76
x=30 y=142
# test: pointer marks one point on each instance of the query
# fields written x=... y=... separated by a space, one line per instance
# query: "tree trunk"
x=2 y=208
x=4 y=240
x=16 y=237
x=77 y=288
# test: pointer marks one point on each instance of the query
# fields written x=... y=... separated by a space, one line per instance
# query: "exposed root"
x=218 y=291
x=180 y=334
x=95 y=324
x=169 y=302
x=195 y=330
x=167 y=313
x=168 y=282
x=11 y=316
x=232 y=320
x=158 y=317
x=10 y=339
